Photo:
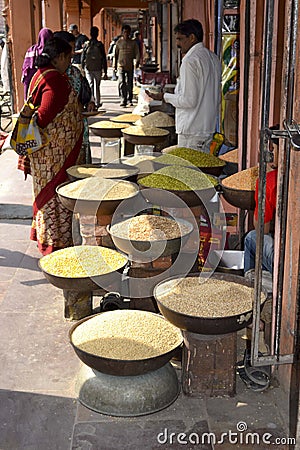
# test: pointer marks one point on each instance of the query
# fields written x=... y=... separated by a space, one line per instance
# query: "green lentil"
x=182 y=155
x=178 y=178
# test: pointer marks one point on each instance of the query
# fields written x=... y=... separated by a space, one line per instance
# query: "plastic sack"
x=27 y=137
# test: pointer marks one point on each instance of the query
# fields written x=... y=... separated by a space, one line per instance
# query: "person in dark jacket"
x=80 y=39
x=94 y=63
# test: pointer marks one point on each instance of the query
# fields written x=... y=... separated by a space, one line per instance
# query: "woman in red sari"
x=58 y=113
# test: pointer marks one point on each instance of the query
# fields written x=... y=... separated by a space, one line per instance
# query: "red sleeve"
x=51 y=96
x=271 y=193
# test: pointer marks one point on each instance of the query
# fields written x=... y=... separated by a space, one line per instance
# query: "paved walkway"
x=38 y=405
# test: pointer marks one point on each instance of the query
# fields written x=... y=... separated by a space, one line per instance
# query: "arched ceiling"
x=128 y=11
x=123 y=4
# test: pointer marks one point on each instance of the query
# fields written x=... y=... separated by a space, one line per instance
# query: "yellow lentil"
x=127 y=335
x=82 y=261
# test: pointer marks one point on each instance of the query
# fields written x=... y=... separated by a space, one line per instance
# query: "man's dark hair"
x=126 y=28
x=190 y=26
x=94 y=32
x=65 y=35
x=73 y=26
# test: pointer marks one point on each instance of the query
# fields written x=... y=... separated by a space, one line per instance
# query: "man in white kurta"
x=198 y=89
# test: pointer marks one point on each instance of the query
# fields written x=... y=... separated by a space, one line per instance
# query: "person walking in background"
x=77 y=83
x=140 y=43
x=126 y=52
x=198 y=89
x=94 y=63
x=58 y=114
x=111 y=56
x=80 y=39
x=29 y=68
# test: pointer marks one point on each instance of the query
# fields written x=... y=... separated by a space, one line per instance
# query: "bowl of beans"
x=125 y=342
x=148 y=237
x=219 y=304
x=239 y=189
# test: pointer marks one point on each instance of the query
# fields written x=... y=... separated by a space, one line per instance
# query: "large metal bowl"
x=215 y=171
x=201 y=325
x=144 y=140
x=238 y=197
x=148 y=251
x=91 y=207
x=120 y=367
x=106 y=132
x=106 y=167
x=130 y=118
x=191 y=198
x=85 y=284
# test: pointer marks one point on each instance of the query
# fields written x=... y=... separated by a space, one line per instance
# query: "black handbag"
x=85 y=93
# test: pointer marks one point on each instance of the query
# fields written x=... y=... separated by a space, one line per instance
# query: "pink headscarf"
x=44 y=35
x=28 y=68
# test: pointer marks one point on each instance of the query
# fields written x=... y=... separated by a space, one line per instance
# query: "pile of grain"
x=209 y=299
x=168 y=149
x=107 y=124
x=244 y=180
x=150 y=228
x=103 y=172
x=179 y=178
x=232 y=156
x=134 y=160
x=145 y=131
x=156 y=119
x=82 y=261
x=126 y=118
x=183 y=156
x=98 y=189
x=127 y=335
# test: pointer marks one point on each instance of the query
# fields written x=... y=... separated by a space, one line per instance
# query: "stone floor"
x=38 y=405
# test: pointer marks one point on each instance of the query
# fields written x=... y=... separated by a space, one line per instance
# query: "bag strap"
x=39 y=78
